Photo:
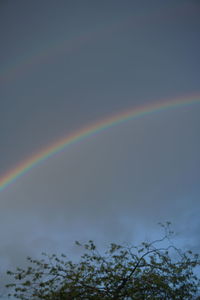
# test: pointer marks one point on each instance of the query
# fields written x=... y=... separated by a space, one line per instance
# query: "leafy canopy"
x=149 y=271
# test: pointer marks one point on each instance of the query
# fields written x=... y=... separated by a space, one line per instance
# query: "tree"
x=148 y=271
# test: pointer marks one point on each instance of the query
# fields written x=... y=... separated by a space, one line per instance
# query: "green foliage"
x=148 y=271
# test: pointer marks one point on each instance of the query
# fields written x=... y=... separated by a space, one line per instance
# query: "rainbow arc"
x=60 y=145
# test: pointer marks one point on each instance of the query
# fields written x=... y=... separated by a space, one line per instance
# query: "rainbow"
x=61 y=145
x=44 y=53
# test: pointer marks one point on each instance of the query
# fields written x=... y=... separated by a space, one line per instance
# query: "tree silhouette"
x=149 y=271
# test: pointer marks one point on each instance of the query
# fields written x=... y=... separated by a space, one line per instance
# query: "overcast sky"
x=67 y=64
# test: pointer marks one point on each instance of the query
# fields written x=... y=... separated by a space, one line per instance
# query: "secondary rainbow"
x=93 y=129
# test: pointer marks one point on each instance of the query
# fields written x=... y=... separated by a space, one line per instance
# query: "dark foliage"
x=149 y=271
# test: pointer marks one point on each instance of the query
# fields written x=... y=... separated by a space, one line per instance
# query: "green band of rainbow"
x=95 y=128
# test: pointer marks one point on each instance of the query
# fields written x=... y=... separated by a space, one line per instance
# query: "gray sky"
x=67 y=64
